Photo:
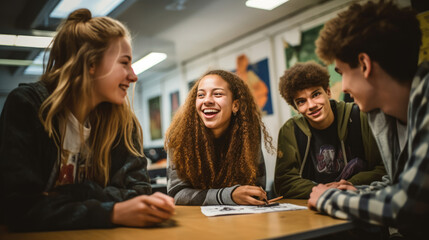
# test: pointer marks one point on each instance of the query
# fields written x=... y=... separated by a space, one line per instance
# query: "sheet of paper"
x=220 y=210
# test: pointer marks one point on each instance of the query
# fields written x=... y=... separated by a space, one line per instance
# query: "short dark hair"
x=389 y=35
x=302 y=76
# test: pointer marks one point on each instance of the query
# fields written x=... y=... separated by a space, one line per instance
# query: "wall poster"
x=257 y=77
x=155 y=118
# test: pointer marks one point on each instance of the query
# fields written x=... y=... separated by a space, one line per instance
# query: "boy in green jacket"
x=329 y=142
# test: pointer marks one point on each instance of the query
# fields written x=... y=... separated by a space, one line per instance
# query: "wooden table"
x=190 y=223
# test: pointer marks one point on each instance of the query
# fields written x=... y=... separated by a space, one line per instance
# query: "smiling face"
x=215 y=104
x=113 y=75
x=355 y=84
x=313 y=103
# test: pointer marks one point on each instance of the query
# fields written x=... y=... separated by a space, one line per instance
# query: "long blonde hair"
x=192 y=144
x=79 y=44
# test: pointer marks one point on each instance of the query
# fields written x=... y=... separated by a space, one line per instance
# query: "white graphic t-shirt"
x=72 y=164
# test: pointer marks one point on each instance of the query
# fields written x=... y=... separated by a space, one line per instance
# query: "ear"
x=365 y=64
x=235 y=106
x=92 y=69
x=328 y=91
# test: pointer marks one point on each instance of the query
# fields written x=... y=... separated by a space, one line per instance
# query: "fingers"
x=331 y=184
x=347 y=187
x=168 y=201
x=245 y=195
x=253 y=201
x=159 y=202
x=344 y=182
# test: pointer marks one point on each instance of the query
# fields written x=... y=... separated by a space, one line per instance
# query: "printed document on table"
x=220 y=210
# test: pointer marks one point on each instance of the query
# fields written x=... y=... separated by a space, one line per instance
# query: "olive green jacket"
x=288 y=180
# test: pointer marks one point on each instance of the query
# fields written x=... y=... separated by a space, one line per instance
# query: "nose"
x=344 y=87
x=132 y=77
x=208 y=99
x=311 y=103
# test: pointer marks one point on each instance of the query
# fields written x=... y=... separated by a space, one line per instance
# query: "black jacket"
x=28 y=158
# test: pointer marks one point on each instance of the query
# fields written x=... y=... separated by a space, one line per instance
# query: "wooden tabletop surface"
x=190 y=223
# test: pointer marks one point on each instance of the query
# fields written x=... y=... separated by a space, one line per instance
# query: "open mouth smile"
x=209 y=113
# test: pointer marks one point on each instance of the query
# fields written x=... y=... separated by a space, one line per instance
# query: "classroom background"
x=196 y=36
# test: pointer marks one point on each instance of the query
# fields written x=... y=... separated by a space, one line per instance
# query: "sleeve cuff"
x=224 y=195
x=324 y=198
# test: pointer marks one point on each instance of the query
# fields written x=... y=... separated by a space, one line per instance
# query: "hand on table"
x=315 y=194
x=143 y=210
x=342 y=185
x=245 y=195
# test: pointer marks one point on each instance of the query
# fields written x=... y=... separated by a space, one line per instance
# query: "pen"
x=275 y=199
x=265 y=199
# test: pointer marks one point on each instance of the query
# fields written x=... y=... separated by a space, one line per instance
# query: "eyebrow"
x=301 y=98
x=315 y=90
x=214 y=89
x=127 y=56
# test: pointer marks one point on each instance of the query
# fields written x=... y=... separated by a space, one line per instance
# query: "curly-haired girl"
x=214 y=145
x=70 y=145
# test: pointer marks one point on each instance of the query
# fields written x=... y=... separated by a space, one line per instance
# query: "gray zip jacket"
x=185 y=194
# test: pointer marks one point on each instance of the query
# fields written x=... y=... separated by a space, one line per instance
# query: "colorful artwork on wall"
x=155 y=118
x=257 y=77
x=174 y=102
x=306 y=52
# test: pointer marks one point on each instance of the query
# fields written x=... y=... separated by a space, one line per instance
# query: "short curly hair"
x=389 y=35
x=302 y=76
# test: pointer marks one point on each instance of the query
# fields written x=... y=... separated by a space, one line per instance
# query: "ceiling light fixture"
x=97 y=7
x=25 y=41
x=148 y=61
x=265 y=4
x=15 y=62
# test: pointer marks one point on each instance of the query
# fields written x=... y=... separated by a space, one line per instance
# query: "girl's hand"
x=144 y=210
x=249 y=195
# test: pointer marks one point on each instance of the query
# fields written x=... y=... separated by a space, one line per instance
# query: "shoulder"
x=29 y=93
x=289 y=125
x=343 y=108
x=34 y=91
x=420 y=84
x=419 y=93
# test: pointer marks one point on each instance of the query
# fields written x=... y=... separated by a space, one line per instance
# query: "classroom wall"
x=267 y=43
x=7 y=82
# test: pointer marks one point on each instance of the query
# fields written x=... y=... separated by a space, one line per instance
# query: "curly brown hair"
x=302 y=76
x=389 y=35
x=191 y=144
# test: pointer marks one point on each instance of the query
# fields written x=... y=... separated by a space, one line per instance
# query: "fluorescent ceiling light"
x=97 y=7
x=148 y=61
x=265 y=4
x=15 y=62
x=25 y=41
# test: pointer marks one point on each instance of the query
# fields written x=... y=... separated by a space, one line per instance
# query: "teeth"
x=210 y=111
